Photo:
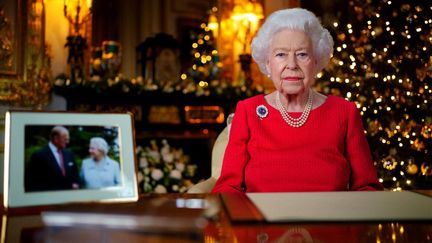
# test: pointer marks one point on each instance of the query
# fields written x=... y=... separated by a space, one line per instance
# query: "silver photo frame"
x=27 y=132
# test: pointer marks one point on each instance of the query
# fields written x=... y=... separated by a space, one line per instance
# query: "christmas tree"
x=383 y=62
x=205 y=66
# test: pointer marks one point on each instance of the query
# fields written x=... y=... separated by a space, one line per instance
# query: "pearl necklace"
x=294 y=122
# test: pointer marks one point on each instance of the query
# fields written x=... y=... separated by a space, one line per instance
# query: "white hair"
x=294 y=19
x=100 y=144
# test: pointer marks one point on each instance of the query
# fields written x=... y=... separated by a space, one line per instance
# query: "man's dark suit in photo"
x=44 y=171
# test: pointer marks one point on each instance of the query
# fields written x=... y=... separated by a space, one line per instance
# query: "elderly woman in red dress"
x=295 y=139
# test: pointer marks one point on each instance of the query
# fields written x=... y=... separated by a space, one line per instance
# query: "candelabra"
x=77 y=12
x=246 y=17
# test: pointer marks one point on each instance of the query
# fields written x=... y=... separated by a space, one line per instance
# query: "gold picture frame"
x=24 y=64
x=26 y=144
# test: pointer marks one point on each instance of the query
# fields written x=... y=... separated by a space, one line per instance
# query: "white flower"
x=168 y=158
x=143 y=163
x=165 y=148
x=173 y=162
x=175 y=188
x=175 y=174
x=191 y=169
x=160 y=189
x=154 y=155
x=180 y=166
x=138 y=149
x=147 y=187
x=146 y=171
x=156 y=174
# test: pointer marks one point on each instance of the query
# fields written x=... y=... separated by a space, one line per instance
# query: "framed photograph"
x=63 y=157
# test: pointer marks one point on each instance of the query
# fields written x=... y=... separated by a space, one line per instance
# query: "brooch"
x=262 y=111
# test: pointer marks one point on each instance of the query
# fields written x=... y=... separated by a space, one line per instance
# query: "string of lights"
x=383 y=62
x=205 y=65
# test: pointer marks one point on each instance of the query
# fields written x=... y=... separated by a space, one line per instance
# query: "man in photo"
x=53 y=167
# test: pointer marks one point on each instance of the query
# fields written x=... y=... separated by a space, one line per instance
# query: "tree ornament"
x=426 y=169
x=373 y=127
x=389 y=163
x=426 y=131
x=418 y=145
x=341 y=36
x=421 y=73
x=412 y=169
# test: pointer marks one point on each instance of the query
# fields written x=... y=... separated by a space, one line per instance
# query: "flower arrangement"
x=163 y=168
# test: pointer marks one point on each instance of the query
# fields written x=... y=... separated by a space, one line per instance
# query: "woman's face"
x=291 y=63
x=95 y=152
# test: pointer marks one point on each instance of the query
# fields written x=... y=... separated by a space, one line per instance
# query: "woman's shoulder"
x=252 y=101
x=340 y=102
x=111 y=161
x=337 y=106
x=86 y=161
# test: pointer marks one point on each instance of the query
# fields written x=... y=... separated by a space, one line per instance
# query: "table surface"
x=26 y=225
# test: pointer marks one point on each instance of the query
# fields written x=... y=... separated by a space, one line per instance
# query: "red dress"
x=328 y=153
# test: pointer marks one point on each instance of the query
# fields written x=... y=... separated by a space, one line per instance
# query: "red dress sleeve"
x=363 y=173
x=236 y=154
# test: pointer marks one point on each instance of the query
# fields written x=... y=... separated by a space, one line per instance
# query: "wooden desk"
x=25 y=225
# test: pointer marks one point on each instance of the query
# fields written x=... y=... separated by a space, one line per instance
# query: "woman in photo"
x=99 y=170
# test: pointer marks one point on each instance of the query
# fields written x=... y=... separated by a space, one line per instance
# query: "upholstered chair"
x=218 y=152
